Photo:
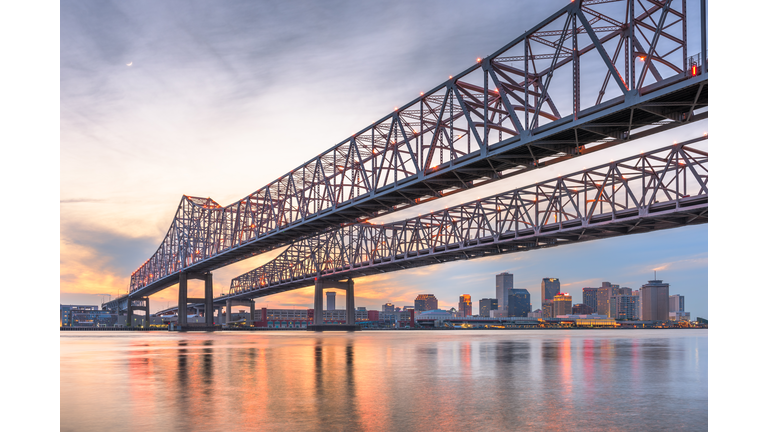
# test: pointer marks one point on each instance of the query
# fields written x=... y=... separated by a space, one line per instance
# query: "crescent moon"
x=128 y=64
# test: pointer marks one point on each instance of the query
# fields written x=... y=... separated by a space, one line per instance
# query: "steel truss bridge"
x=523 y=107
x=666 y=188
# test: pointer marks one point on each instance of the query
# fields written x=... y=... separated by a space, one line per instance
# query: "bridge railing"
x=672 y=177
x=528 y=85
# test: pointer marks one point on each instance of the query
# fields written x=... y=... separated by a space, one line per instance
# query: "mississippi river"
x=486 y=380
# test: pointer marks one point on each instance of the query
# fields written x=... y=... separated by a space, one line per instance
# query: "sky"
x=163 y=99
x=108 y=151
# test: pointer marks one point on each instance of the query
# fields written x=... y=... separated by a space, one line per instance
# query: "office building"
x=655 y=298
x=604 y=294
x=636 y=293
x=676 y=303
x=623 y=291
x=424 y=302
x=624 y=307
x=465 y=305
x=589 y=298
x=331 y=300
x=388 y=307
x=548 y=308
x=562 y=304
x=679 y=316
x=581 y=309
x=550 y=287
x=519 y=302
x=487 y=305
x=504 y=283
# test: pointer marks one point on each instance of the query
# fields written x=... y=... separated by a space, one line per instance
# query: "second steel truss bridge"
x=662 y=189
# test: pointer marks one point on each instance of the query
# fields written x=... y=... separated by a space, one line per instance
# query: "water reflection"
x=531 y=380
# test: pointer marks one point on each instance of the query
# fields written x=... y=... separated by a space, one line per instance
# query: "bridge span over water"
x=593 y=75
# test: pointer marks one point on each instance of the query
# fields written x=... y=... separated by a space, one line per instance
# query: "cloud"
x=81 y=200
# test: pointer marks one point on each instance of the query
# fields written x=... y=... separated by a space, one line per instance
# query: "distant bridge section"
x=594 y=74
x=662 y=189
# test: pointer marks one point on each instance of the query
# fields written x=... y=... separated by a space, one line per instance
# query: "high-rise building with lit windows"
x=519 y=301
x=388 y=307
x=425 y=302
x=549 y=288
x=331 y=300
x=562 y=304
x=589 y=298
x=487 y=305
x=465 y=305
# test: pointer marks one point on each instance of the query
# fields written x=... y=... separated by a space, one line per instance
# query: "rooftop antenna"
x=654 y=275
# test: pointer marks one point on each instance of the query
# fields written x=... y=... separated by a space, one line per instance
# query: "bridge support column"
x=350 y=302
x=318 y=319
x=349 y=287
x=182 y=299
x=129 y=315
x=229 y=312
x=253 y=311
x=146 y=313
x=209 y=300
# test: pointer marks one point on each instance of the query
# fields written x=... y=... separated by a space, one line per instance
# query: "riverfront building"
x=655 y=295
x=487 y=305
x=550 y=287
x=519 y=301
x=465 y=305
x=625 y=307
x=676 y=303
x=562 y=304
x=582 y=309
x=504 y=283
x=589 y=298
x=425 y=302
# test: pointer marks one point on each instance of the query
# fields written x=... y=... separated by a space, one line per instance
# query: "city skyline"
x=113 y=217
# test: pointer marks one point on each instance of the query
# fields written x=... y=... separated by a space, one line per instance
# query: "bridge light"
x=642 y=58
x=422 y=93
x=479 y=59
x=694 y=69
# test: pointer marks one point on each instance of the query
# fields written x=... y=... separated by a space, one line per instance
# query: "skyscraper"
x=676 y=303
x=465 y=305
x=625 y=307
x=589 y=298
x=604 y=294
x=388 y=307
x=655 y=298
x=549 y=288
x=562 y=304
x=504 y=283
x=487 y=305
x=331 y=302
x=425 y=302
x=519 y=302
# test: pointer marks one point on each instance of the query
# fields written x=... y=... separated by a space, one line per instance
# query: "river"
x=569 y=380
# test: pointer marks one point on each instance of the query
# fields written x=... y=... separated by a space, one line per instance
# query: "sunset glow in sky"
x=163 y=99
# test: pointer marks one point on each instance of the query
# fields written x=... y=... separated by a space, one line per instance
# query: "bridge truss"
x=523 y=107
x=662 y=189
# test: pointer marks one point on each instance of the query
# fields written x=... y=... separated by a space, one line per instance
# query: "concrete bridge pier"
x=184 y=299
x=131 y=307
x=349 y=287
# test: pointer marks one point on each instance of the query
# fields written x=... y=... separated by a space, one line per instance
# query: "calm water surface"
x=629 y=380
